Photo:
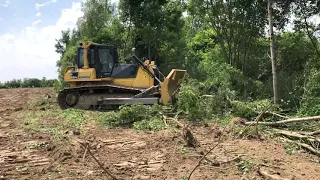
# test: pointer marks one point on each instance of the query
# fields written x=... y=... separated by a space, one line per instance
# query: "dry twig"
x=204 y=156
x=83 y=146
x=85 y=152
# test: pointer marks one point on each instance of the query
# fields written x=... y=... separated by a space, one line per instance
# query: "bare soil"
x=38 y=152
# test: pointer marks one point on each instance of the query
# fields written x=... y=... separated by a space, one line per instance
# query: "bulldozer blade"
x=170 y=85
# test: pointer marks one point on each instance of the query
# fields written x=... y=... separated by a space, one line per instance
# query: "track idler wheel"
x=67 y=99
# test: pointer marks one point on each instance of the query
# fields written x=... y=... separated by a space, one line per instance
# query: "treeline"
x=224 y=45
x=28 y=83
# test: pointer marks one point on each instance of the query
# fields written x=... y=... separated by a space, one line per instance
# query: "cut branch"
x=287 y=121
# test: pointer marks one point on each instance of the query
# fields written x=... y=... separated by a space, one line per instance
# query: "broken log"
x=287 y=121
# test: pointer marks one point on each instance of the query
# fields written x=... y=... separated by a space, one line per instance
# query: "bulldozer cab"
x=101 y=57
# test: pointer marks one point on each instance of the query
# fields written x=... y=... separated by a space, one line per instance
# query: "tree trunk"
x=273 y=54
x=149 y=53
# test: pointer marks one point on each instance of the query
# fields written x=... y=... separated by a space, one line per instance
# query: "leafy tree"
x=155 y=30
x=97 y=15
x=235 y=23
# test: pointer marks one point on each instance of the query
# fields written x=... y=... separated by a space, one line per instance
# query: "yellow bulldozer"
x=100 y=81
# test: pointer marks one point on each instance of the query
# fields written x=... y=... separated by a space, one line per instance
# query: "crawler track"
x=86 y=97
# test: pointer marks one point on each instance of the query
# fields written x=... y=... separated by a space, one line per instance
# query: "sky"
x=27 y=36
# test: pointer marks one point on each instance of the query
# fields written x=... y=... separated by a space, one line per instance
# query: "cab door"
x=105 y=61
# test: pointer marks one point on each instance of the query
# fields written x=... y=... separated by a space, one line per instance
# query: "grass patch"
x=51 y=121
x=150 y=125
x=245 y=166
x=222 y=120
x=72 y=117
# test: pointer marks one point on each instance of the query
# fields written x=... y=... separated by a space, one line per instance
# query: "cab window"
x=106 y=60
x=81 y=59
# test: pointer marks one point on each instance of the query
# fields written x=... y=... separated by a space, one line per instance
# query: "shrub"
x=310 y=103
x=251 y=109
x=128 y=115
x=197 y=106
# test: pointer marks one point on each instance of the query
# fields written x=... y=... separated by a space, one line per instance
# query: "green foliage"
x=97 y=13
x=68 y=59
x=155 y=29
x=41 y=102
x=154 y=124
x=28 y=83
x=197 y=106
x=107 y=119
x=310 y=104
x=295 y=55
x=250 y=110
x=72 y=117
x=136 y=112
x=189 y=100
x=136 y=115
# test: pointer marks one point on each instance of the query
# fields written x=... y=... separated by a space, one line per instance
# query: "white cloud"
x=6 y=3
x=38 y=14
x=31 y=53
x=38 y=6
x=36 y=22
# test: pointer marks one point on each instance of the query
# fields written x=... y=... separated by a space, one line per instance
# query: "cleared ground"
x=39 y=141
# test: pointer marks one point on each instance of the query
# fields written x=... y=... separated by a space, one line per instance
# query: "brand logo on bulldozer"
x=84 y=76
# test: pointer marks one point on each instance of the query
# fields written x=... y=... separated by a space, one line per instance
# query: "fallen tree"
x=297 y=135
x=287 y=121
x=306 y=140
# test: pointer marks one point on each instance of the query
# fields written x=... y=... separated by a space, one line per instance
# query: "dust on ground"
x=49 y=151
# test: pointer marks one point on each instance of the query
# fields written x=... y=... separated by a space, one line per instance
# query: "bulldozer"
x=100 y=81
